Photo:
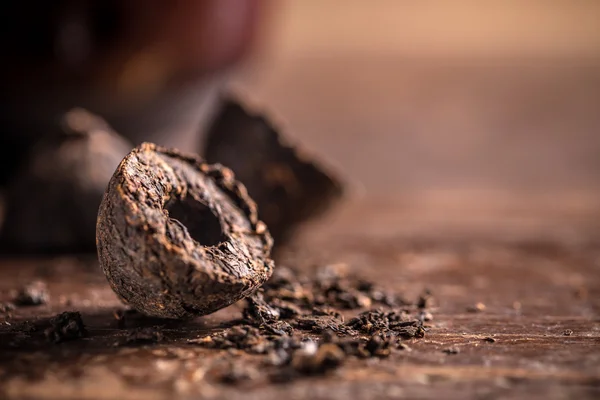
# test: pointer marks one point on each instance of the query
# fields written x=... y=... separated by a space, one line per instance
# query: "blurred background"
x=441 y=94
x=456 y=114
x=435 y=110
x=468 y=132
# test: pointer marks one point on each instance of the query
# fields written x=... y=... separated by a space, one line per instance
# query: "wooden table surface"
x=476 y=179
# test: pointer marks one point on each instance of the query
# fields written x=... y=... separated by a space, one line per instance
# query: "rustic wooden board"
x=480 y=184
x=535 y=288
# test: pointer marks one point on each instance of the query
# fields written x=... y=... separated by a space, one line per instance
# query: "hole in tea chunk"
x=203 y=226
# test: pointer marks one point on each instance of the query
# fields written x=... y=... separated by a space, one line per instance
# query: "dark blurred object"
x=65 y=327
x=288 y=186
x=32 y=294
x=53 y=201
x=142 y=65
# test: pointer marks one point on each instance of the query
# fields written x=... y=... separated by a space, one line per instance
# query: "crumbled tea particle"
x=32 y=294
x=66 y=326
x=309 y=360
x=178 y=237
x=319 y=323
x=287 y=309
x=326 y=357
x=144 y=335
x=393 y=323
x=332 y=312
x=242 y=337
x=335 y=289
x=379 y=346
x=332 y=288
x=52 y=202
x=284 y=331
x=258 y=310
x=288 y=186
x=279 y=328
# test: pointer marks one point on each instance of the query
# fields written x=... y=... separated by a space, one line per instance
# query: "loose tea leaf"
x=178 y=237
x=288 y=186
x=53 y=202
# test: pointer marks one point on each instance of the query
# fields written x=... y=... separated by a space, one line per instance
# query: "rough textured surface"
x=52 y=202
x=295 y=327
x=178 y=237
x=481 y=185
x=287 y=185
x=534 y=288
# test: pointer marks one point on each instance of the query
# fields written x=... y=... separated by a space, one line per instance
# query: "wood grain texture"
x=480 y=181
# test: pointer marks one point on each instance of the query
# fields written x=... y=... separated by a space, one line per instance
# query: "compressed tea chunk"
x=288 y=186
x=178 y=237
x=53 y=201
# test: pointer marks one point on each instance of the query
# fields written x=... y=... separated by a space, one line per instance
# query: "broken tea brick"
x=288 y=186
x=178 y=237
x=52 y=203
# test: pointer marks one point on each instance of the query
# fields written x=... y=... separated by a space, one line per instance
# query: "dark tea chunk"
x=178 y=237
x=53 y=201
x=66 y=326
x=288 y=186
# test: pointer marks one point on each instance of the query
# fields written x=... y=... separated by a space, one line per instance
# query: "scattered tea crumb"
x=327 y=356
x=389 y=323
x=296 y=323
x=66 y=326
x=145 y=335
